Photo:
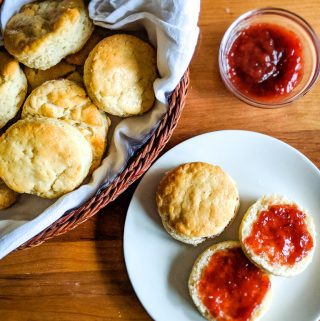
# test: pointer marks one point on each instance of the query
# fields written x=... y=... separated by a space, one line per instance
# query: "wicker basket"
x=137 y=166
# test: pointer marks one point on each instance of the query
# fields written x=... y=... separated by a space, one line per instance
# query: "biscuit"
x=222 y=272
x=43 y=156
x=7 y=196
x=79 y=58
x=42 y=33
x=65 y=100
x=13 y=88
x=119 y=75
x=196 y=201
x=37 y=77
x=278 y=245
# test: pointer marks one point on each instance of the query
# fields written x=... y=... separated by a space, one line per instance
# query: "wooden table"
x=81 y=275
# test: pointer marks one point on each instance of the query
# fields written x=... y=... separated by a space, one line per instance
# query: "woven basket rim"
x=136 y=167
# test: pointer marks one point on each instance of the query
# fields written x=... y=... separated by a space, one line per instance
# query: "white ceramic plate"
x=159 y=266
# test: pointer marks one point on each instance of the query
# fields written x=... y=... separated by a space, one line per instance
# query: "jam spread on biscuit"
x=231 y=287
x=282 y=234
x=265 y=62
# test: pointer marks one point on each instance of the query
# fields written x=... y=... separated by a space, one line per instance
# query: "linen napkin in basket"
x=171 y=26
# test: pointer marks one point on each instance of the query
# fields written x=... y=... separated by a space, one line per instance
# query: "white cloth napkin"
x=171 y=26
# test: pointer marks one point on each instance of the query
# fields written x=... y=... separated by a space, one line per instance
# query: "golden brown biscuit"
x=43 y=156
x=7 y=196
x=13 y=88
x=65 y=100
x=37 y=77
x=80 y=57
x=196 y=201
x=224 y=285
x=42 y=33
x=119 y=75
x=278 y=235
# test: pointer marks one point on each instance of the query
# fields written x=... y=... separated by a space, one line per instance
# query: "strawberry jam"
x=282 y=234
x=231 y=287
x=265 y=62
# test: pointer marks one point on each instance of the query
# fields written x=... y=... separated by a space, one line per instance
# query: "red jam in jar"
x=282 y=234
x=231 y=287
x=265 y=62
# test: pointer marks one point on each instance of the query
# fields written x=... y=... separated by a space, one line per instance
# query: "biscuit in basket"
x=42 y=33
x=66 y=100
x=225 y=285
x=37 y=77
x=196 y=201
x=43 y=156
x=119 y=75
x=278 y=235
x=7 y=196
x=13 y=88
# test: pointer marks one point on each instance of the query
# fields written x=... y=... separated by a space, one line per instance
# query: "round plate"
x=159 y=266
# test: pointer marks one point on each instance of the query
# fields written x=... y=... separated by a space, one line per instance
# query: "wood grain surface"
x=81 y=275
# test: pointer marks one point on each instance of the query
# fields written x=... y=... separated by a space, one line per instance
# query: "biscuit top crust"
x=119 y=75
x=66 y=100
x=35 y=22
x=8 y=67
x=62 y=99
x=43 y=156
x=197 y=199
x=13 y=87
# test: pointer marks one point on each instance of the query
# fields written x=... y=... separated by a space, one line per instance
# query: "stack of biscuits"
x=59 y=78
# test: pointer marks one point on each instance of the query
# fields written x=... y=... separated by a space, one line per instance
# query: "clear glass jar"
x=289 y=21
